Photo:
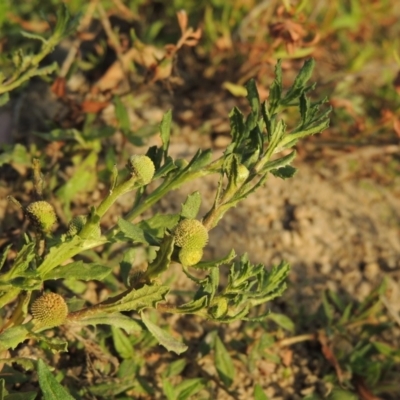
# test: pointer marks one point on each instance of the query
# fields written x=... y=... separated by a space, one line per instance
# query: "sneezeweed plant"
x=260 y=145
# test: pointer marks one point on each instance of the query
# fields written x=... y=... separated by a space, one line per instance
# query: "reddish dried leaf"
x=396 y=126
x=362 y=390
x=329 y=355
x=59 y=87
x=287 y=357
x=396 y=83
x=91 y=106
x=182 y=20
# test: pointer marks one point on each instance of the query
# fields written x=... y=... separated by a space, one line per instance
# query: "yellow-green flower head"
x=243 y=173
x=191 y=234
x=42 y=215
x=142 y=167
x=219 y=307
x=189 y=257
x=49 y=310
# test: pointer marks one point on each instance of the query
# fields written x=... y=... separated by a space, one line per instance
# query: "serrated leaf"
x=129 y=325
x=51 y=389
x=121 y=343
x=163 y=258
x=191 y=206
x=164 y=338
x=165 y=129
x=4 y=255
x=223 y=363
x=279 y=163
x=79 y=270
x=54 y=344
x=12 y=337
x=158 y=224
x=282 y=320
x=193 y=306
x=33 y=36
x=285 y=172
x=216 y=263
x=253 y=97
x=199 y=160
x=137 y=300
x=299 y=83
x=22 y=261
x=135 y=233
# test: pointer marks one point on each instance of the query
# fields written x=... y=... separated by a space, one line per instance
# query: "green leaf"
x=122 y=116
x=168 y=389
x=189 y=387
x=253 y=97
x=340 y=394
x=83 y=180
x=299 y=84
x=223 y=363
x=282 y=320
x=79 y=270
x=20 y=396
x=137 y=300
x=4 y=98
x=275 y=91
x=216 y=263
x=33 y=36
x=54 y=344
x=51 y=389
x=175 y=368
x=4 y=255
x=22 y=261
x=163 y=258
x=191 y=206
x=285 y=172
x=279 y=163
x=129 y=325
x=164 y=338
x=193 y=306
x=165 y=129
x=12 y=337
x=121 y=343
x=135 y=233
x=3 y=390
x=259 y=393
x=60 y=253
x=157 y=225
x=126 y=265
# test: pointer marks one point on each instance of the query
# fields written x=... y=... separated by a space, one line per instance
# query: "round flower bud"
x=219 y=308
x=191 y=234
x=142 y=167
x=189 y=257
x=243 y=174
x=49 y=310
x=42 y=215
x=76 y=224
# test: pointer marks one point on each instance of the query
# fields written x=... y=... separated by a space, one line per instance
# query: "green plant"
x=254 y=153
x=27 y=65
